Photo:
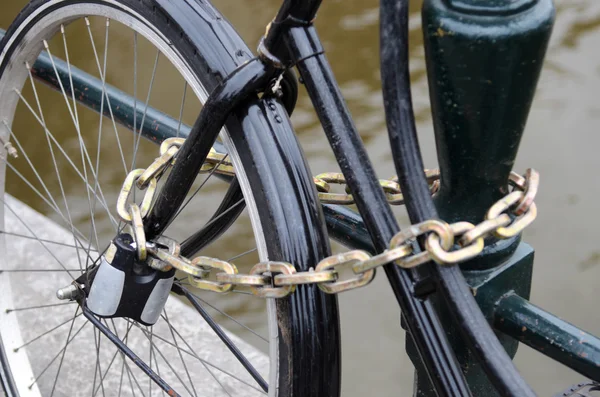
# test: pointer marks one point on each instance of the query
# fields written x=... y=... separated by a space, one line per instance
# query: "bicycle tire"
x=307 y=323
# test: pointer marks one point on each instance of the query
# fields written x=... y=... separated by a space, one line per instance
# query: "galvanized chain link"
x=391 y=188
x=446 y=244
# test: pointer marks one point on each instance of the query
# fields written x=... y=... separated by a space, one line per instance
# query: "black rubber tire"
x=290 y=213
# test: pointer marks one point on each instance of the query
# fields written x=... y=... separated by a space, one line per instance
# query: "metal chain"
x=446 y=244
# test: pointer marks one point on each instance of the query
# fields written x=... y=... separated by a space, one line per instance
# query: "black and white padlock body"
x=127 y=288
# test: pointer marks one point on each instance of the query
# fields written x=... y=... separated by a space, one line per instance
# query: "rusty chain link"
x=446 y=244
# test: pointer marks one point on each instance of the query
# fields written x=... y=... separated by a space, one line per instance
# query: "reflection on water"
x=561 y=141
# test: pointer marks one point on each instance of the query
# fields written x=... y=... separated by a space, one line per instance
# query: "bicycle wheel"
x=70 y=167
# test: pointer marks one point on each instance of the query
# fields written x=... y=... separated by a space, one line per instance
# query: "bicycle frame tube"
x=293 y=40
x=246 y=80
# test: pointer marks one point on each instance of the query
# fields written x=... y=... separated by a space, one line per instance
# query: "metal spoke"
x=230 y=317
x=201 y=186
x=40 y=195
x=62 y=30
x=113 y=357
x=180 y=355
x=137 y=143
x=33 y=188
x=131 y=375
x=54 y=205
x=46 y=241
x=150 y=350
x=193 y=353
x=23 y=152
x=182 y=107
x=102 y=72
x=20 y=309
x=146 y=333
x=98 y=367
x=101 y=115
x=82 y=146
x=194 y=194
x=135 y=55
x=62 y=88
x=64 y=352
x=125 y=364
x=58 y=212
x=222 y=214
x=57 y=354
x=121 y=377
x=126 y=350
x=179 y=350
x=101 y=198
x=242 y=254
x=45 y=333
x=36 y=237
x=203 y=362
x=60 y=184
x=76 y=123
x=226 y=340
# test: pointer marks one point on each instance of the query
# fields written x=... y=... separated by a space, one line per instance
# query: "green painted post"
x=484 y=59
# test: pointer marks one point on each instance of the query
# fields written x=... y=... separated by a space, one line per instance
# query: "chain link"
x=126 y=190
x=446 y=244
x=390 y=187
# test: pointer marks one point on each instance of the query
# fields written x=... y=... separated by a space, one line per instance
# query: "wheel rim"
x=50 y=23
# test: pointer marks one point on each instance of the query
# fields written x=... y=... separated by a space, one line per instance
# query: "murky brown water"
x=561 y=142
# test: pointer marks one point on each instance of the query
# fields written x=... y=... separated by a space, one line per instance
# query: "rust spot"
x=583 y=355
x=524 y=329
x=441 y=33
x=171 y=392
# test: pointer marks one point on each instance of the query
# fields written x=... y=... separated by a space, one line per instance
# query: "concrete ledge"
x=210 y=364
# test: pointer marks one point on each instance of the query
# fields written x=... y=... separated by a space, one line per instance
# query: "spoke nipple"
x=46 y=45
x=12 y=152
x=62 y=28
x=69 y=292
x=87 y=21
x=27 y=65
x=107 y=21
